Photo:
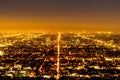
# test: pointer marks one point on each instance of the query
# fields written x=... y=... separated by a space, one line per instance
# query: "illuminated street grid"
x=60 y=56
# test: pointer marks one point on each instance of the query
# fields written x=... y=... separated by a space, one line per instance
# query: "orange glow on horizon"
x=53 y=26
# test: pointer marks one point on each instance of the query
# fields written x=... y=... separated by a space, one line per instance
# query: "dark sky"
x=59 y=15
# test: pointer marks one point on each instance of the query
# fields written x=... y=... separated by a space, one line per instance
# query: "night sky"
x=59 y=15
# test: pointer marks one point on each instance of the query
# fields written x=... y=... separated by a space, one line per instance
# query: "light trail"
x=114 y=46
x=58 y=57
x=12 y=35
x=42 y=63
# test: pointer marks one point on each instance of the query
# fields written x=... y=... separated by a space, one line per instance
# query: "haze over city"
x=59 y=15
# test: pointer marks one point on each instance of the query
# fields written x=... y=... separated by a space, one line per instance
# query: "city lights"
x=1 y=53
x=60 y=56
